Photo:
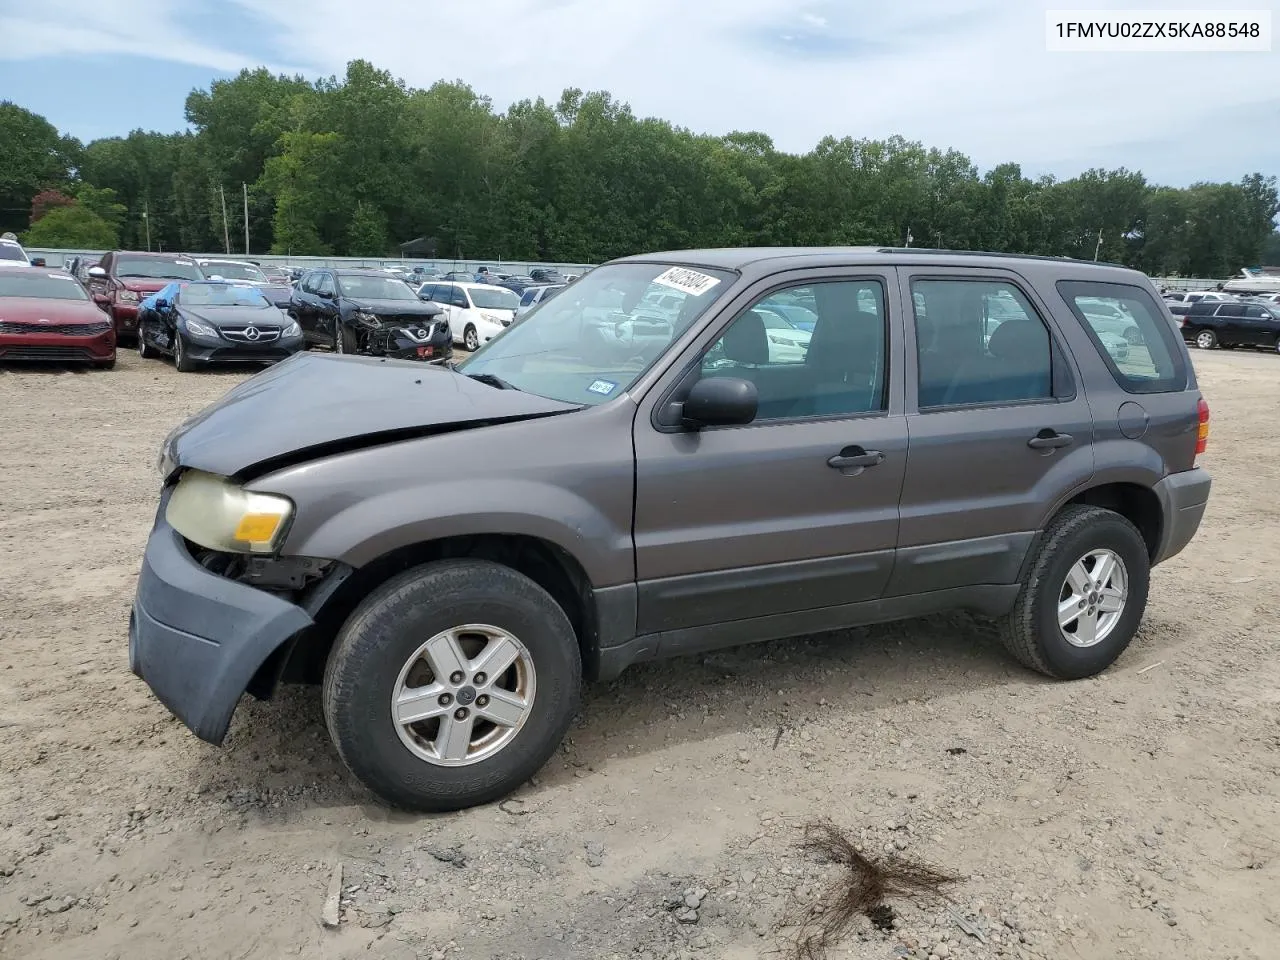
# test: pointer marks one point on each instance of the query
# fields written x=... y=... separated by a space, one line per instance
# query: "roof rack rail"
x=990 y=253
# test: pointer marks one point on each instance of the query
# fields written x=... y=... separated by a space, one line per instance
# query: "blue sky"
x=968 y=74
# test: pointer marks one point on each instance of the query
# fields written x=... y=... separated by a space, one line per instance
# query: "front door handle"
x=855 y=456
x=1050 y=440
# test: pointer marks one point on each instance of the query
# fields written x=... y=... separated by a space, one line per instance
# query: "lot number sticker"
x=686 y=281
x=602 y=387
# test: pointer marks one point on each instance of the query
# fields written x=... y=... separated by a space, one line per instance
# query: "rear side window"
x=528 y=298
x=1231 y=310
x=1132 y=334
x=979 y=341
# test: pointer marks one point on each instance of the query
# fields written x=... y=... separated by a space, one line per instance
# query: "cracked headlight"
x=220 y=515
x=368 y=319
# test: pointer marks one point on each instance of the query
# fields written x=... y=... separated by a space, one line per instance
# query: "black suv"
x=370 y=312
x=1209 y=324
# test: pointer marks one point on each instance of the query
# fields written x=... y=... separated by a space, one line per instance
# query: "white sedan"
x=476 y=312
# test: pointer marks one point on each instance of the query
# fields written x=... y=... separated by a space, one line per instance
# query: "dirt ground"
x=1134 y=815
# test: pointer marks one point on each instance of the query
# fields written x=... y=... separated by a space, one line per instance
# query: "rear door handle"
x=1050 y=440
x=855 y=456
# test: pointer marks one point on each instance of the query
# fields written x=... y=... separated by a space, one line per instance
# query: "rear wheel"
x=452 y=684
x=1206 y=339
x=1084 y=596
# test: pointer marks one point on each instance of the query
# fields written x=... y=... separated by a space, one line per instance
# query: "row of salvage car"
x=200 y=311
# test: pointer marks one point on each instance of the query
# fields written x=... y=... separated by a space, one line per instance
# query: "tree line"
x=358 y=165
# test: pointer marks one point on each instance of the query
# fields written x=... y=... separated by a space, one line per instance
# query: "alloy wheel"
x=463 y=695
x=1092 y=599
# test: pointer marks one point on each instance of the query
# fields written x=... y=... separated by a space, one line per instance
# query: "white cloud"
x=969 y=74
x=94 y=28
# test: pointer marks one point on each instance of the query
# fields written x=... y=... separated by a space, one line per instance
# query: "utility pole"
x=226 y=236
x=246 y=218
x=147 y=221
x=1098 y=248
x=909 y=237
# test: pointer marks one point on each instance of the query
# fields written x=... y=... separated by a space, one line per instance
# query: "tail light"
x=1202 y=434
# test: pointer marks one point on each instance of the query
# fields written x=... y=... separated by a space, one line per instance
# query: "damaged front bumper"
x=198 y=638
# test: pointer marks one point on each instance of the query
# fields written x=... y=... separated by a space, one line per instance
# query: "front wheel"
x=144 y=349
x=471 y=339
x=345 y=340
x=1084 y=596
x=451 y=685
x=181 y=359
x=1206 y=339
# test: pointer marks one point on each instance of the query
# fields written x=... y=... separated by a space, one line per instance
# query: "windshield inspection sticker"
x=602 y=387
x=686 y=281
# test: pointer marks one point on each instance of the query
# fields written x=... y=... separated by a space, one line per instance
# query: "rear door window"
x=1231 y=310
x=1136 y=342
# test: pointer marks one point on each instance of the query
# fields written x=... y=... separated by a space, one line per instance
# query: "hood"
x=144 y=285
x=40 y=309
x=235 y=316
x=314 y=405
x=397 y=308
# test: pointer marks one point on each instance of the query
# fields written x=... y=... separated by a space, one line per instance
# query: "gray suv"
x=451 y=551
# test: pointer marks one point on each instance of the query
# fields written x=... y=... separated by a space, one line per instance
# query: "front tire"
x=471 y=339
x=181 y=359
x=408 y=701
x=1084 y=595
x=345 y=341
x=1206 y=339
x=144 y=351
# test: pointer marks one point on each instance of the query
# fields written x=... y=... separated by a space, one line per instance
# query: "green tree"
x=33 y=157
x=74 y=227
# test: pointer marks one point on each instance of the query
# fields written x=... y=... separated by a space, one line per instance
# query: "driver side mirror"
x=37 y=261
x=720 y=402
x=97 y=273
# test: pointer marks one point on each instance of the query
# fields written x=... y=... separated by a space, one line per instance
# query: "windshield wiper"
x=493 y=380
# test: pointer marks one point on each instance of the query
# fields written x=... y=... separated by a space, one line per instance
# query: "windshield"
x=375 y=288
x=493 y=299
x=222 y=295
x=154 y=268
x=593 y=340
x=235 y=271
x=11 y=251
x=33 y=283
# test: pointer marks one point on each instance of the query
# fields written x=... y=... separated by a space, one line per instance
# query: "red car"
x=123 y=278
x=47 y=315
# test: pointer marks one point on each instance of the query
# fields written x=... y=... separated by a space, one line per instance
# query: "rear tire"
x=1032 y=631
x=376 y=651
x=1206 y=339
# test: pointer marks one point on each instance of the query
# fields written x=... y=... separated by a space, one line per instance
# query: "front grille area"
x=58 y=329
x=241 y=334
x=44 y=353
